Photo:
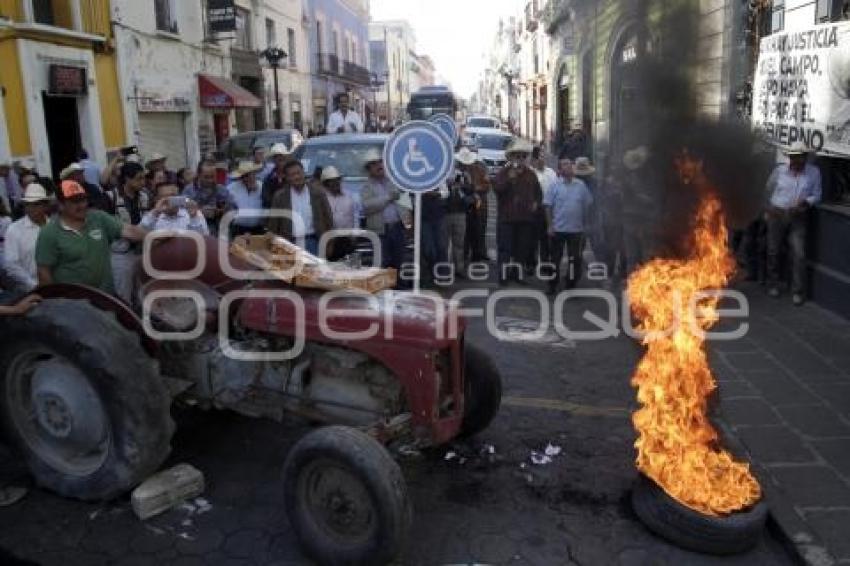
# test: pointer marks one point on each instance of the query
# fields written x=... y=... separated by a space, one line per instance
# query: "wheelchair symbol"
x=414 y=156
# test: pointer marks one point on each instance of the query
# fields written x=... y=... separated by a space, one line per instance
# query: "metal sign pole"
x=417 y=243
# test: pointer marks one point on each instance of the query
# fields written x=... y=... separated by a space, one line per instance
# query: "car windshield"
x=347 y=158
x=498 y=143
x=482 y=123
x=268 y=141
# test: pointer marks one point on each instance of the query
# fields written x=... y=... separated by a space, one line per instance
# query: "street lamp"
x=376 y=85
x=510 y=77
x=274 y=55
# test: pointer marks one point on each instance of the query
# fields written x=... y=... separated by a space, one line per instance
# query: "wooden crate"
x=277 y=256
x=337 y=277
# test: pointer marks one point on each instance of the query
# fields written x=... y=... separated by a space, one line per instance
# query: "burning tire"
x=692 y=530
x=482 y=391
x=82 y=400
x=346 y=498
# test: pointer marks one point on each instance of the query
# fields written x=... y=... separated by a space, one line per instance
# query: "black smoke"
x=735 y=160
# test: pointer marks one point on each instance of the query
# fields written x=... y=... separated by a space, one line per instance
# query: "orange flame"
x=677 y=446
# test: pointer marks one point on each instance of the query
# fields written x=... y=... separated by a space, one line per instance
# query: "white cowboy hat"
x=636 y=158
x=245 y=168
x=798 y=148
x=27 y=165
x=279 y=149
x=330 y=173
x=372 y=156
x=583 y=167
x=34 y=193
x=154 y=158
x=70 y=170
x=519 y=145
x=466 y=156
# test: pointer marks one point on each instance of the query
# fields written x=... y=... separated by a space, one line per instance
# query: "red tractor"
x=85 y=392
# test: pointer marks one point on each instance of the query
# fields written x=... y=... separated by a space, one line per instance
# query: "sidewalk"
x=785 y=394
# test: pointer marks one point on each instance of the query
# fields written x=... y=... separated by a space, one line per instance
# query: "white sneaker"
x=773 y=292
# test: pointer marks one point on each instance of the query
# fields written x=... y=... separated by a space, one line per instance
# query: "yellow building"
x=59 y=82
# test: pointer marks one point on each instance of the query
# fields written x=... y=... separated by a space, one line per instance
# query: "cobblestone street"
x=472 y=506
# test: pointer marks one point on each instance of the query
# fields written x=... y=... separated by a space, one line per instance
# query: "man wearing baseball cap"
x=22 y=237
x=75 y=246
x=97 y=198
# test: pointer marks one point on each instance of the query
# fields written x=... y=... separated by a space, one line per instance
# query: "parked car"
x=346 y=152
x=491 y=149
x=476 y=125
x=241 y=146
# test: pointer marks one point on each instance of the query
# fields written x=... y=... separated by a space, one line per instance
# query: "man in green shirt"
x=74 y=247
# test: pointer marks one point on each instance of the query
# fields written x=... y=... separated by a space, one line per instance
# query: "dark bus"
x=431 y=100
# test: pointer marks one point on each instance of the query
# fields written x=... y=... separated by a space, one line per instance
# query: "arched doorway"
x=562 y=105
x=629 y=101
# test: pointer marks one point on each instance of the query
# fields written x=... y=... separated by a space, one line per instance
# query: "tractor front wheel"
x=346 y=497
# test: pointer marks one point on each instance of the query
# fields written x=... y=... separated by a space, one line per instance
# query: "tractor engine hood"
x=402 y=318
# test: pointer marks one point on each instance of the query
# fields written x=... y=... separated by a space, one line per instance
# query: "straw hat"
x=27 y=165
x=35 y=193
x=156 y=157
x=279 y=149
x=330 y=173
x=797 y=148
x=372 y=156
x=519 y=145
x=583 y=167
x=70 y=170
x=466 y=157
x=636 y=158
x=245 y=168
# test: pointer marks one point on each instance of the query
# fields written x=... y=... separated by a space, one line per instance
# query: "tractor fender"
x=102 y=301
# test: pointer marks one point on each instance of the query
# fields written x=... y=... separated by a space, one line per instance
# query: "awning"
x=218 y=92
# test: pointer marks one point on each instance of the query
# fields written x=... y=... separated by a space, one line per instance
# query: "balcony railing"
x=329 y=64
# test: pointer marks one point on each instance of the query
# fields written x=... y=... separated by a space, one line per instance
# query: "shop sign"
x=66 y=80
x=221 y=16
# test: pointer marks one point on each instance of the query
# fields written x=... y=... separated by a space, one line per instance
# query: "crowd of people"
x=87 y=227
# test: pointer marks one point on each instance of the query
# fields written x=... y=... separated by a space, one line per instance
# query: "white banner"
x=802 y=88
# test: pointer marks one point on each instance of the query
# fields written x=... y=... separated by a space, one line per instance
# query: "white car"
x=491 y=149
x=476 y=125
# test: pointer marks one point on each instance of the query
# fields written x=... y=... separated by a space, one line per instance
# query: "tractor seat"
x=175 y=307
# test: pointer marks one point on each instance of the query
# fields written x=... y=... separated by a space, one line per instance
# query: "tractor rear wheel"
x=346 y=497
x=82 y=400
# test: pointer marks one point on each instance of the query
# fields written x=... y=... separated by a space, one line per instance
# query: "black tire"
x=374 y=490
x=133 y=402
x=692 y=530
x=482 y=391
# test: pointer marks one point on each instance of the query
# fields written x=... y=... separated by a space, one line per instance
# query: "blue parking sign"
x=447 y=125
x=418 y=157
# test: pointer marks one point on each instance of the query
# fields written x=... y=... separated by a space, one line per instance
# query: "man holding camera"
x=174 y=212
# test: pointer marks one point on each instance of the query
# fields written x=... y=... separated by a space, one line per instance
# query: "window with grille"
x=290 y=44
x=271 y=33
x=777 y=16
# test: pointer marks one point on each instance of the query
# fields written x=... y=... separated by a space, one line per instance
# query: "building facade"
x=59 y=81
x=497 y=92
x=178 y=95
x=594 y=50
x=339 y=55
x=533 y=69
x=393 y=48
x=285 y=25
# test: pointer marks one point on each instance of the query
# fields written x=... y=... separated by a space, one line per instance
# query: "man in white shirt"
x=343 y=211
x=794 y=188
x=547 y=178
x=306 y=212
x=247 y=193
x=567 y=206
x=21 y=237
x=344 y=120
x=174 y=212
